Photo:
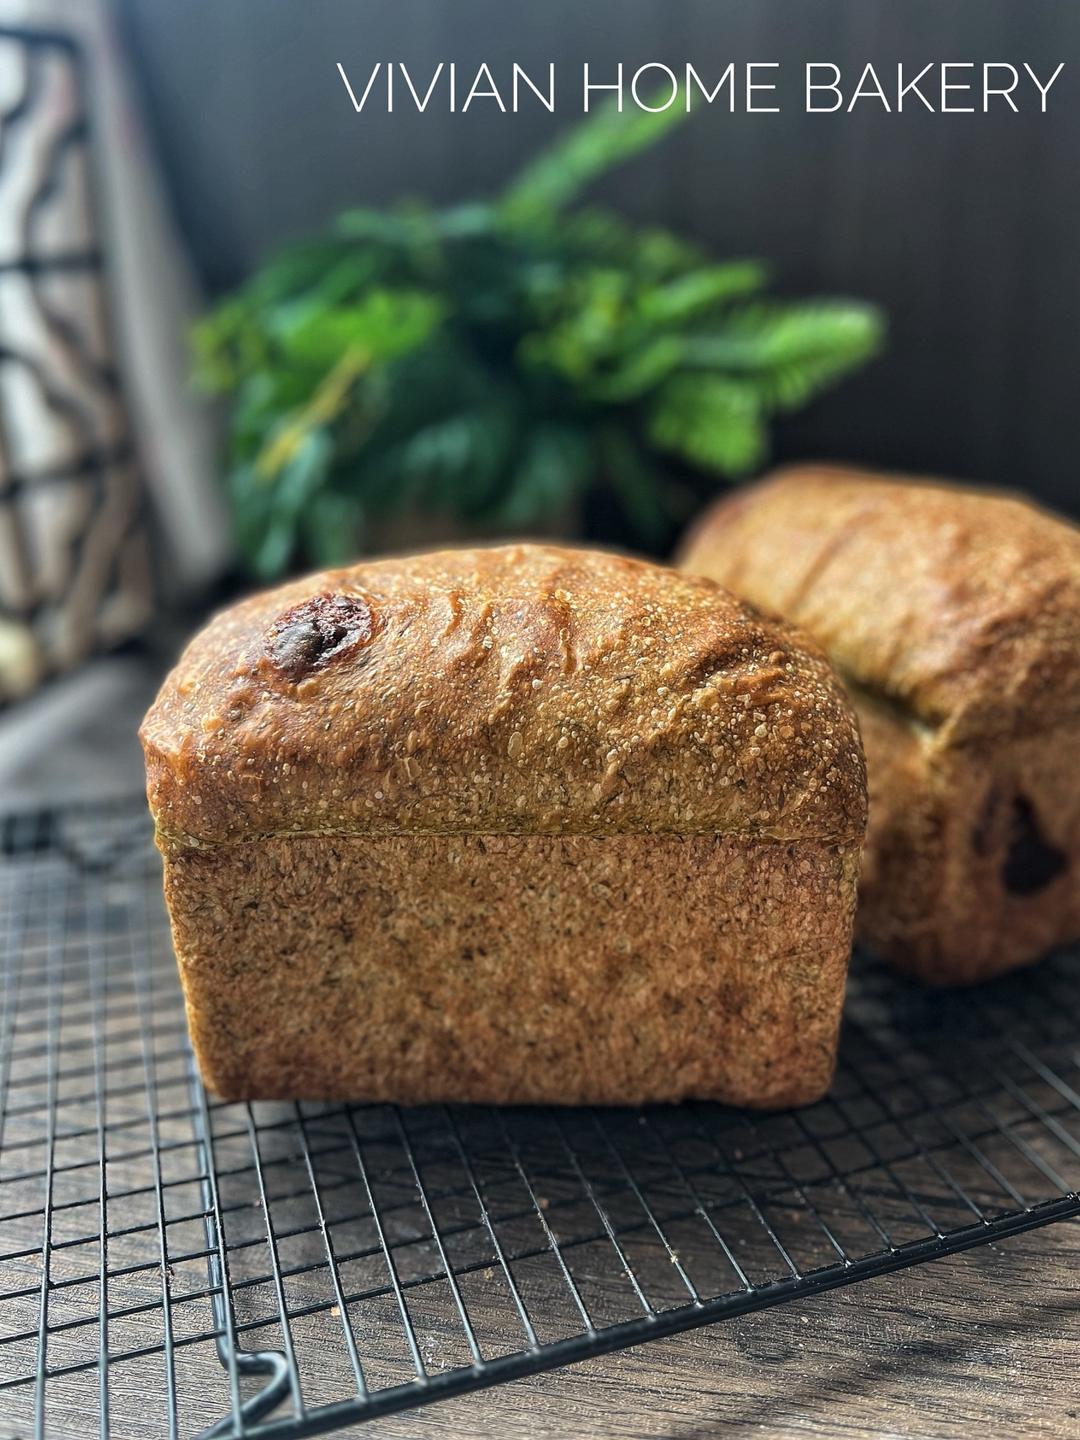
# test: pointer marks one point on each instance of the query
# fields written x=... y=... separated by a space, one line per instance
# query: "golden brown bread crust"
x=517 y=689
x=954 y=616
x=513 y=825
x=960 y=605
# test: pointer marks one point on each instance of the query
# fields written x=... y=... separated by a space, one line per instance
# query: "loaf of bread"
x=510 y=825
x=953 y=616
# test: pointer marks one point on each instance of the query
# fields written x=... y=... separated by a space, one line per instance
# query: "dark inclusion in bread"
x=315 y=633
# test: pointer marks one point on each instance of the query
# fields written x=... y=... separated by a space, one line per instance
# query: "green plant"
x=496 y=360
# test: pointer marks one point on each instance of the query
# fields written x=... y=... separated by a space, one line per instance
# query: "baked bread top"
x=959 y=605
x=524 y=689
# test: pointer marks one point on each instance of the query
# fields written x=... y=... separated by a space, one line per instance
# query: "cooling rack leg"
x=237 y=1362
x=259 y=1362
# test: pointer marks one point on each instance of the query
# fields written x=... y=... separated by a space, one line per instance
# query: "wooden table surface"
x=984 y=1342
x=987 y=1342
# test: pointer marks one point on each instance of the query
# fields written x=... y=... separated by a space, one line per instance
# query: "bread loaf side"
x=523 y=824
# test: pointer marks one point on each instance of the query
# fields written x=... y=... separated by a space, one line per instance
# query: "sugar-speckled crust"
x=509 y=825
x=515 y=969
x=519 y=689
x=954 y=615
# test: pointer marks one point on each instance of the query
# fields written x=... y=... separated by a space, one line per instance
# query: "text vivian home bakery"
x=954 y=87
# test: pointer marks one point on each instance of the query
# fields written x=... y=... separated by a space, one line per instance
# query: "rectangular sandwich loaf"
x=510 y=825
x=953 y=616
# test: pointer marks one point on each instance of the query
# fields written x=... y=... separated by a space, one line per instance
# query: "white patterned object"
x=94 y=307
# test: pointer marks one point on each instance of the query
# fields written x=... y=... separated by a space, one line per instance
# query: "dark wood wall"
x=965 y=228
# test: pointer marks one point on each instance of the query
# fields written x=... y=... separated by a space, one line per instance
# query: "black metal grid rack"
x=173 y=1265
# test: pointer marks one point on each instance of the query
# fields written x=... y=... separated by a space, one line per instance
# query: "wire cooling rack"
x=172 y=1265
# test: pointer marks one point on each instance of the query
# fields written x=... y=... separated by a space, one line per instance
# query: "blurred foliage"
x=497 y=360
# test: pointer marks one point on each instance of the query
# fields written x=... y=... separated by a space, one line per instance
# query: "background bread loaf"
x=953 y=616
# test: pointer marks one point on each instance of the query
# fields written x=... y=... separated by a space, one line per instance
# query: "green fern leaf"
x=700 y=291
x=710 y=420
x=381 y=326
x=558 y=174
x=268 y=511
x=791 y=351
x=639 y=373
